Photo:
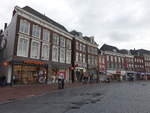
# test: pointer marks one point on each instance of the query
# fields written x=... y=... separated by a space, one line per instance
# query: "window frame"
x=22 y=37
x=31 y=52
x=42 y=56
x=25 y=21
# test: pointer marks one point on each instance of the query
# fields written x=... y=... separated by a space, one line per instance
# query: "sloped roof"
x=123 y=51
x=106 y=47
x=43 y=17
x=140 y=52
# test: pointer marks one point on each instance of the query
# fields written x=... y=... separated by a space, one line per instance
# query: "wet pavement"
x=125 y=97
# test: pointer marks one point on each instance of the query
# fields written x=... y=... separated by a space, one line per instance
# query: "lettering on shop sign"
x=33 y=62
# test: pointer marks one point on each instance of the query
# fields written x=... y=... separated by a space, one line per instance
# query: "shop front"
x=80 y=69
x=60 y=69
x=29 y=72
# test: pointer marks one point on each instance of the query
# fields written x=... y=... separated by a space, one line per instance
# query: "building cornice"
x=42 y=22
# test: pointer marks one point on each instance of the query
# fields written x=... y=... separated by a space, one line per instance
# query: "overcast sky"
x=121 y=23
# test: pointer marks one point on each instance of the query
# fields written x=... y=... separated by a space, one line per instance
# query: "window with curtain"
x=68 y=44
x=55 y=51
x=45 y=52
x=36 y=31
x=46 y=35
x=62 y=41
x=68 y=56
x=62 y=55
x=24 y=26
x=35 y=49
x=23 y=46
x=55 y=39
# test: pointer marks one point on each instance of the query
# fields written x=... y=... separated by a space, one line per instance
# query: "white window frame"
x=55 y=38
x=62 y=60
x=77 y=56
x=55 y=58
x=68 y=56
x=45 y=57
x=22 y=22
x=62 y=41
x=22 y=37
x=35 y=27
x=84 y=58
x=31 y=54
x=45 y=33
x=68 y=44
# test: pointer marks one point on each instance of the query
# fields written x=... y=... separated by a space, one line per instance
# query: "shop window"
x=68 y=56
x=35 y=49
x=45 y=52
x=62 y=55
x=24 y=26
x=36 y=31
x=55 y=53
x=46 y=35
x=55 y=39
x=23 y=46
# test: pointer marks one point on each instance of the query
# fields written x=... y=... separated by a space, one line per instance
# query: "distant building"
x=115 y=63
x=85 y=55
x=141 y=63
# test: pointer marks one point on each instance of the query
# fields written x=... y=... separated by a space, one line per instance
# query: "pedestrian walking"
x=61 y=81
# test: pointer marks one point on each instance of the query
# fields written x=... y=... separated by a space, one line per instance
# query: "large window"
x=62 y=41
x=35 y=49
x=46 y=35
x=55 y=39
x=45 y=52
x=23 y=46
x=68 y=56
x=62 y=55
x=24 y=26
x=36 y=31
x=68 y=45
x=55 y=50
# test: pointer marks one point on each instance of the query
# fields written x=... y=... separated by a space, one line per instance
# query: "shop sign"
x=33 y=62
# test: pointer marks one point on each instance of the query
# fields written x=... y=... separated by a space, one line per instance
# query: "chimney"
x=5 y=26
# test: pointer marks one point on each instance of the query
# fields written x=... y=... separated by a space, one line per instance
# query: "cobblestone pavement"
x=125 y=97
x=9 y=93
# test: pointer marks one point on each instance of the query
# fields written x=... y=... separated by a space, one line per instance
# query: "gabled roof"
x=43 y=17
x=110 y=48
